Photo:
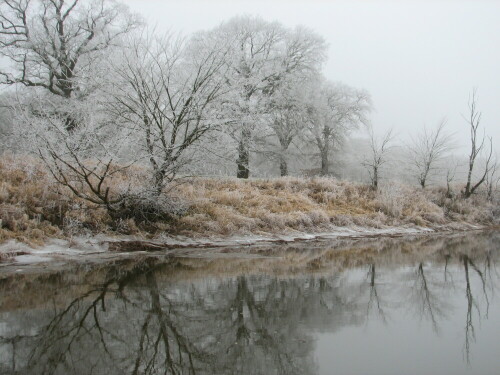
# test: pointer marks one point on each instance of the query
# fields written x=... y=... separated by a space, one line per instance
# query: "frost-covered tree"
x=55 y=52
x=85 y=159
x=52 y=43
x=377 y=157
x=167 y=94
x=286 y=121
x=427 y=149
x=262 y=56
x=57 y=45
x=333 y=110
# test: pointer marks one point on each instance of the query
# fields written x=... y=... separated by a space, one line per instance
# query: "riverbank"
x=37 y=215
x=59 y=255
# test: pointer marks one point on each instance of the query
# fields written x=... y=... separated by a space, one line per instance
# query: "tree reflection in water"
x=374 y=295
x=186 y=316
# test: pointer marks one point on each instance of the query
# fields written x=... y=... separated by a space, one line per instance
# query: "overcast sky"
x=418 y=59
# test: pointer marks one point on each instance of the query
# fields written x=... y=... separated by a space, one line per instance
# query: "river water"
x=419 y=305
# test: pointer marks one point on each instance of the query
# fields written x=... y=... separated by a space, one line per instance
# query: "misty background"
x=419 y=60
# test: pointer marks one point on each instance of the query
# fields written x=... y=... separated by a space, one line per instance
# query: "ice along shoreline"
x=16 y=256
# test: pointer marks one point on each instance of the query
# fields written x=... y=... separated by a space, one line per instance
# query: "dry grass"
x=228 y=206
x=232 y=206
x=33 y=207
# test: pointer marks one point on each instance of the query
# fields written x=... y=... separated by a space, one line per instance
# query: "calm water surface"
x=379 y=306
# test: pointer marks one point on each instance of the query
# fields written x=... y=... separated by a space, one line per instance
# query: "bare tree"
x=333 y=111
x=477 y=146
x=166 y=98
x=470 y=334
x=254 y=49
x=450 y=177
x=377 y=157
x=427 y=149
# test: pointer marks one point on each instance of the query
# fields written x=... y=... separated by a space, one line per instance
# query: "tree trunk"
x=70 y=123
x=324 y=161
x=490 y=191
x=283 y=166
x=375 y=178
x=285 y=142
x=159 y=177
x=324 y=149
x=467 y=192
x=243 y=155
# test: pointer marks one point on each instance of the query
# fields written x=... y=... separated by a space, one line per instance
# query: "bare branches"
x=166 y=97
x=50 y=43
x=379 y=149
x=477 y=147
x=450 y=177
x=427 y=149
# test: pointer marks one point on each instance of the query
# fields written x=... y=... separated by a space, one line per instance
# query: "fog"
x=419 y=60
x=271 y=88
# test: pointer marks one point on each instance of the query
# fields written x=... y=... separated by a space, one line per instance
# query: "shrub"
x=148 y=208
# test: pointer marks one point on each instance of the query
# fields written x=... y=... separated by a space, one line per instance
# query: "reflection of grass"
x=33 y=208
x=31 y=290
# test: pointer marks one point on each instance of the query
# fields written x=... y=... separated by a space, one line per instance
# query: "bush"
x=148 y=208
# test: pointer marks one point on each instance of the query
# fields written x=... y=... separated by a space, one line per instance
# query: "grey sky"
x=418 y=59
